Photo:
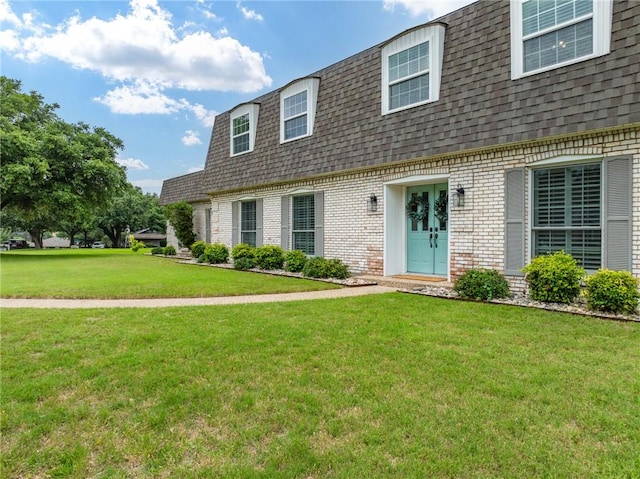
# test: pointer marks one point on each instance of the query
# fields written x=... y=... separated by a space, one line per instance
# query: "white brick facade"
x=476 y=231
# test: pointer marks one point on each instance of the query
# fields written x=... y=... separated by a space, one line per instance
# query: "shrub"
x=157 y=250
x=319 y=267
x=197 y=248
x=295 y=261
x=170 y=251
x=269 y=256
x=554 y=278
x=180 y=215
x=215 y=253
x=244 y=256
x=135 y=244
x=612 y=291
x=482 y=284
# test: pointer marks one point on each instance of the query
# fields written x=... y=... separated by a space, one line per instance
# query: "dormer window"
x=298 y=109
x=243 y=128
x=546 y=34
x=411 y=68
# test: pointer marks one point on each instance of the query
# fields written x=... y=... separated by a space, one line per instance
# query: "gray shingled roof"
x=183 y=188
x=479 y=106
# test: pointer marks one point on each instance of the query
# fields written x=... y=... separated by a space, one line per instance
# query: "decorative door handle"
x=430 y=240
x=436 y=240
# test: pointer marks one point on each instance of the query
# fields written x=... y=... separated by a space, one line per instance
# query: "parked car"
x=97 y=245
x=18 y=244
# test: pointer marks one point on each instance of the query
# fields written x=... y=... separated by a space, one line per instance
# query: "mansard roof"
x=479 y=106
x=183 y=188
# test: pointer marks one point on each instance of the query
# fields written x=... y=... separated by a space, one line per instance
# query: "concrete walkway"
x=171 y=302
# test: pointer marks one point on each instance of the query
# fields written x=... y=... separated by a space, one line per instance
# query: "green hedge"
x=612 y=291
x=554 y=278
x=482 y=284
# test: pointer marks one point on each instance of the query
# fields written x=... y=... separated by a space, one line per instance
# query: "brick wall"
x=476 y=231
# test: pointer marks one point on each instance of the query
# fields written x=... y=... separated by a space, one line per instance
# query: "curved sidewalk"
x=172 y=302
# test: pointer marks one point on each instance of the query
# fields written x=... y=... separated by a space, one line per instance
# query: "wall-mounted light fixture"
x=372 y=204
x=459 y=194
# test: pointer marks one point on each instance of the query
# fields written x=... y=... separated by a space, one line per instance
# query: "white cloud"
x=194 y=169
x=205 y=116
x=147 y=56
x=250 y=14
x=132 y=163
x=430 y=8
x=146 y=98
x=191 y=138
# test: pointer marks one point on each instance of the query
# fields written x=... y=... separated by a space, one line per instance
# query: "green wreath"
x=440 y=208
x=414 y=212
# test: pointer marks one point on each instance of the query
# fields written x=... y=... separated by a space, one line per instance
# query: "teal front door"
x=427 y=229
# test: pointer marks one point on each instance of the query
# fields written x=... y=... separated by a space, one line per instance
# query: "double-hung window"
x=241 y=134
x=303 y=224
x=411 y=68
x=248 y=222
x=546 y=34
x=298 y=109
x=567 y=212
x=295 y=115
x=244 y=119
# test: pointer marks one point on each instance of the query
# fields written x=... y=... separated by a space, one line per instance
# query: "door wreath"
x=440 y=207
x=418 y=208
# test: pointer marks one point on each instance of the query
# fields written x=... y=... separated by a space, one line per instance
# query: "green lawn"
x=107 y=273
x=384 y=386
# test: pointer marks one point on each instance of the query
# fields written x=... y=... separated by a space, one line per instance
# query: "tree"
x=180 y=215
x=131 y=209
x=51 y=168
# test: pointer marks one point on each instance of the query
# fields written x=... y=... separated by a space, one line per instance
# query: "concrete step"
x=407 y=281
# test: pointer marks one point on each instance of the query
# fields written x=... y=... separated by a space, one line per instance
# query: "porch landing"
x=408 y=281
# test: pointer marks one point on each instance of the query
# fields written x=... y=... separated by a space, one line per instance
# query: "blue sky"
x=156 y=73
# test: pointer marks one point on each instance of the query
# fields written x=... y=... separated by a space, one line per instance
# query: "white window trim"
x=602 y=17
x=558 y=162
x=311 y=85
x=252 y=109
x=434 y=34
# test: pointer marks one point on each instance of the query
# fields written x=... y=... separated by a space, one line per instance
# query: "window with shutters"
x=248 y=222
x=567 y=212
x=303 y=224
x=550 y=33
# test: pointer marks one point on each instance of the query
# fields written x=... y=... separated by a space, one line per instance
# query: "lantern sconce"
x=459 y=194
x=372 y=204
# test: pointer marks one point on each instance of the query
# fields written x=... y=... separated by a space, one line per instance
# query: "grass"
x=113 y=273
x=382 y=386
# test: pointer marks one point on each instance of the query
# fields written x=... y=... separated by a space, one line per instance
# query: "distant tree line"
x=61 y=177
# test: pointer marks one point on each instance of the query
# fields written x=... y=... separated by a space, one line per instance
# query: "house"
x=496 y=133
x=150 y=237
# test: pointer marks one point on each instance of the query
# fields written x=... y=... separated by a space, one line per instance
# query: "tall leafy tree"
x=51 y=167
x=180 y=215
x=131 y=209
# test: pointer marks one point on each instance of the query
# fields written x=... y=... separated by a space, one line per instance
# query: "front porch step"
x=407 y=281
